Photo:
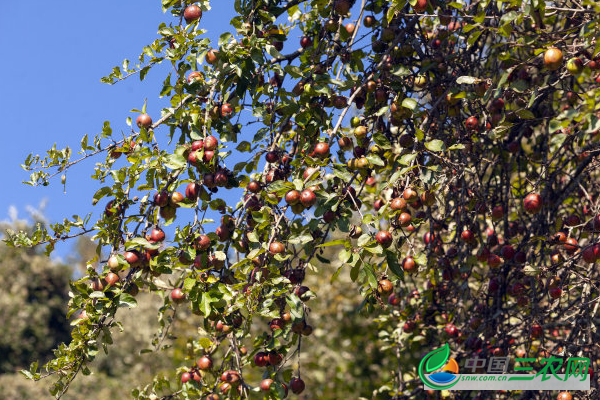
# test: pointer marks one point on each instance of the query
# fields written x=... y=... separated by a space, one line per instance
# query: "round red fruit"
x=308 y=198
x=532 y=203
x=472 y=123
x=507 y=252
x=536 y=331
x=571 y=245
x=272 y=157
x=132 y=257
x=451 y=330
x=144 y=120
x=384 y=238
x=555 y=292
x=254 y=187
x=192 y=191
x=589 y=255
x=305 y=42
x=276 y=248
x=292 y=197
x=468 y=236
x=553 y=58
x=564 y=396
x=322 y=149
x=297 y=385
x=265 y=385
x=226 y=110
x=177 y=295
x=211 y=143
x=111 y=279
x=409 y=264
x=203 y=242
x=385 y=287
x=157 y=235
x=192 y=13
x=261 y=359
x=204 y=363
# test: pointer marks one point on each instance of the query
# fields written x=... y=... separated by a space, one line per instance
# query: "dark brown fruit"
x=203 y=242
x=384 y=238
x=409 y=264
x=192 y=191
x=144 y=120
x=192 y=13
x=254 y=187
x=276 y=248
x=212 y=57
x=308 y=198
x=385 y=287
x=211 y=143
x=132 y=257
x=305 y=42
x=533 y=203
x=157 y=235
x=297 y=385
x=292 y=197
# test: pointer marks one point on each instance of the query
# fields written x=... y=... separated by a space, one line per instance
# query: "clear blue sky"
x=54 y=55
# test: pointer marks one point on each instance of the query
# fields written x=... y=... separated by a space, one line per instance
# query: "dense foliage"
x=34 y=299
x=446 y=149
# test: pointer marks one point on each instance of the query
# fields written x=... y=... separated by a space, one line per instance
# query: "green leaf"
x=293 y=70
x=188 y=284
x=594 y=124
x=205 y=342
x=525 y=114
x=295 y=305
x=101 y=193
x=243 y=146
x=175 y=161
x=301 y=239
x=224 y=38
x=141 y=242
x=334 y=243
x=364 y=239
x=375 y=159
x=27 y=374
x=409 y=103
x=336 y=274
x=530 y=270
x=393 y=265
x=473 y=37
x=354 y=272
x=394 y=178
x=344 y=255
x=435 y=145
x=205 y=304
x=382 y=111
x=368 y=268
x=380 y=139
x=342 y=173
x=467 y=79
x=127 y=300
x=558 y=139
x=406 y=160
